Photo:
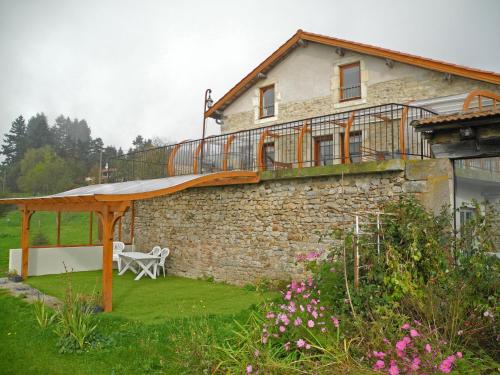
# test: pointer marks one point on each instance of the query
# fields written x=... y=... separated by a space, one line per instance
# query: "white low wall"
x=52 y=260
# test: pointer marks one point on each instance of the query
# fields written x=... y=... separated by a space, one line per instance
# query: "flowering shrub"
x=414 y=353
x=300 y=320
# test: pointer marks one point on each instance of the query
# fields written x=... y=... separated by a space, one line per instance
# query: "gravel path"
x=29 y=293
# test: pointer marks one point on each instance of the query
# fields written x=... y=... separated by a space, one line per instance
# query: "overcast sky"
x=141 y=67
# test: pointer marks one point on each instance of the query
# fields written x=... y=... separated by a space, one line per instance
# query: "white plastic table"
x=144 y=261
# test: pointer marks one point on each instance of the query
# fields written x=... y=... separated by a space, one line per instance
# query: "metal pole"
x=207 y=104
x=356 y=256
x=100 y=166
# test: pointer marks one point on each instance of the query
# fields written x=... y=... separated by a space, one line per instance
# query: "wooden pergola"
x=110 y=202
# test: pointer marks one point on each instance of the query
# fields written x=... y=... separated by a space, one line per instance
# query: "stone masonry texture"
x=245 y=233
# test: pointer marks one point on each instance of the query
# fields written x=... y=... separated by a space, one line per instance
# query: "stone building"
x=329 y=126
x=321 y=132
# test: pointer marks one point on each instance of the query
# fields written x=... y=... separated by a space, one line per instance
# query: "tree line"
x=39 y=158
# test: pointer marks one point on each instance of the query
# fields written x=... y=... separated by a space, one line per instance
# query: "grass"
x=163 y=326
x=169 y=347
x=151 y=300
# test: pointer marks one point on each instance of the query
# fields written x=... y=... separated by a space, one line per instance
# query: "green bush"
x=76 y=322
x=425 y=276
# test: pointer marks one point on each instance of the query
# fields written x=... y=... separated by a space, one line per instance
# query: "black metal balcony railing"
x=375 y=133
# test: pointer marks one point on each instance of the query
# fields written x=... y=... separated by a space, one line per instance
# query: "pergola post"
x=25 y=239
x=107 y=259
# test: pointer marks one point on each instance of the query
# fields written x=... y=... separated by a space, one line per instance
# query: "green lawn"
x=169 y=347
x=163 y=326
x=151 y=300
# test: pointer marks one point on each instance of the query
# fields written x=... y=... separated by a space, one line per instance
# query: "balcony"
x=375 y=133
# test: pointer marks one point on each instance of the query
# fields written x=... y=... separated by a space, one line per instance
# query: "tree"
x=14 y=144
x=38 y=133
x=43 y=172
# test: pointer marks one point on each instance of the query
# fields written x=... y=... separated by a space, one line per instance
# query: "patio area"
x=152 y=301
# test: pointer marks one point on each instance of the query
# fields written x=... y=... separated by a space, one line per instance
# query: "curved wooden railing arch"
x=261 y=165
x=347 y=135
x=227 y=147
x=196 y=156
x=260 y=150
x=480 y=94
x=300 y=143
x=171 y=157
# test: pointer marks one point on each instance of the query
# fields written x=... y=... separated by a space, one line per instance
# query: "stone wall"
x=242 y=233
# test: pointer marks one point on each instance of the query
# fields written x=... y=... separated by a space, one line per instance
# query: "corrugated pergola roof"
x=134 y=190
x=110 y=202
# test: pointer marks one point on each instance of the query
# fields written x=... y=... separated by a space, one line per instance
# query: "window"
x=269 y=155
x=267 y=101
x=355 y=145
x=466 y=215
x=323 y=150
x=350 y=82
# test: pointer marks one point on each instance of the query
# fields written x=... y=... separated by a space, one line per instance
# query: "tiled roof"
x=441 y=119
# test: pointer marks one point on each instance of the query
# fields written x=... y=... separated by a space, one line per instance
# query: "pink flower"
x=270 y=315
x=405 y=326
x=379 y=355
x=459 y=354
x=335 y=322
x=282 y=329
x=297 y=322
x=332 y=269
x=287 y=346
x=414 y=333
x=428 y=348
x=301 y=308
x=308 y=346
x=301 y=343
x=322 y=308
x=415 y=364
x=407 y=340
x=446 y=365
x=256 y=353
x=249 y=369
x=379 y=365
x=401 y=345
x=393 y=370
x=323 y=329
x=315 y=314
x=264 y=339
x=288 y=296
x=310 y=323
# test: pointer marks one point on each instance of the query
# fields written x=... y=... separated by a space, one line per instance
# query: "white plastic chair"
x=164 y=253
x=156 y=251
x=118 y=248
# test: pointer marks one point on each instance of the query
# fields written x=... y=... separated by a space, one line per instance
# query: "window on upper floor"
x=323 y=150
x=266 y=101
x=350 y=81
